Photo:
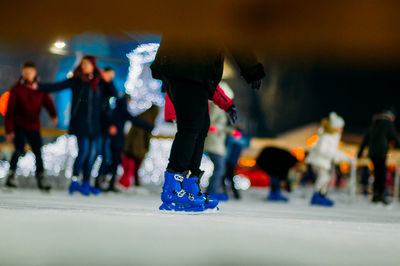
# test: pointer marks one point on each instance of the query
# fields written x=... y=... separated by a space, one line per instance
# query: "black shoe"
x=42 y=182
x=112 y=189
x=381 y=198
x=11 y=181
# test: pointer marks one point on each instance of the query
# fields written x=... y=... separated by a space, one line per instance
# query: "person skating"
x=236 y=142
x=85 y=119
x=377 y=139
x=22 y=122
x=324 y=154
x=190 y=73
x=224 y=103
x=120 y=116
x=276 y=162
x=104 y=148
x=137 y=144
x=215 y=146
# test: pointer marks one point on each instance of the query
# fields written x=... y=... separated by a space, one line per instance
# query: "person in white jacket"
x=324 y=154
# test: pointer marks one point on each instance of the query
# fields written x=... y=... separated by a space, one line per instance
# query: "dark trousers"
x=104 y=150
x=21 y=137
x=190 y=100
x=379 y=175
x=116 y=159
x=229 y=175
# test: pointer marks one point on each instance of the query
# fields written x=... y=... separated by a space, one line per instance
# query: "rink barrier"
x=396 y=183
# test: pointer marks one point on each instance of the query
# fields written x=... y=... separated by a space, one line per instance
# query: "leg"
x=219 y=171
x=19 y=144
x=92 y=155
x=323 y=180
x=128 y=164
x=35 y=141
x=194 y=165
x=116 y=161
x=379 y=177
x=138 y=163
x=190 y=100
x=80 y=160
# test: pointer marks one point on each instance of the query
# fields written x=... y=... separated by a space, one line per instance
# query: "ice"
x=127 y=229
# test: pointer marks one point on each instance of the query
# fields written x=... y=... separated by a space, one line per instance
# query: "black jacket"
x=203 y=64
x=108 y=91
x=85 y=120
x=119 y=118
x=381 y=132
x=276 y=162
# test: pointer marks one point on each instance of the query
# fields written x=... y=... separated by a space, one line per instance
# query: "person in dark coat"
x=120 y=116
x=85 y=120
x=377 y=139
x=104 y=148
x=190 y=73
x=276 y=162
x=22 y=122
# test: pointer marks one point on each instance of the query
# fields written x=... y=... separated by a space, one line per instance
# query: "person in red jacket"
x=22 y=122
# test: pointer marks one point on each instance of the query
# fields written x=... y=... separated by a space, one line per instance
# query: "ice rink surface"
x=57 y=229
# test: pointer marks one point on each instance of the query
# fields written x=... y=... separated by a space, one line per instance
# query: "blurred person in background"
x=85 y=121
x=215 y=144
x=276 y=162
x=120 y=116
x=377 y=139
x=104 y=149
x=324 y=154
x=190 y=73
x=236 y=142
x=137 y=144
x=22 y=122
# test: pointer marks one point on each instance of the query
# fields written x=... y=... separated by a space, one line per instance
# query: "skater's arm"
x=221 y=99
x=250 y=68
x=363 y=145
x=9 y=118
x=48 y=104
x=393 y=135
x=138 y=122
x=58 y=86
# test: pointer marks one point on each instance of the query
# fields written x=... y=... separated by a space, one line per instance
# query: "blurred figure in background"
x=377 y=139
x=215 y=144
x=85 y=121
x=276 y=162
x=119 y=117
x=236 y=142
x=104 y=148
x=22 y=122
x=137 y=144
x=324 y=154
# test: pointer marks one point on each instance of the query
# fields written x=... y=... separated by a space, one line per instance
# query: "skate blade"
x=180 y=208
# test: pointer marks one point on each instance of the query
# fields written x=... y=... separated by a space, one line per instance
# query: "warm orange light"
x=4 y=102
x=311 y=141
x=247 y=162
x=299 y=153
x=344 y=168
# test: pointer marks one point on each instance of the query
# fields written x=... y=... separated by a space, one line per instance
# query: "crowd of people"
x=98 y=128
x=205 y=115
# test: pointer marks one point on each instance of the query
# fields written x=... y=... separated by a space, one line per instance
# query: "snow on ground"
x=57 y=229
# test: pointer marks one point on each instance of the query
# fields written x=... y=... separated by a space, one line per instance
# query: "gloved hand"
x=256 y=84
x=232 y=114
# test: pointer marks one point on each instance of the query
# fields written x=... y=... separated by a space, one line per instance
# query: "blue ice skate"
x=321 y=200
x=192 y=186
x=74 y=186
x=175 y=198
x=95 y=190
x=277 y=196
x=85 y=188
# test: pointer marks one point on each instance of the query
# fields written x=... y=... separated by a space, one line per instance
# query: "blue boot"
x=277 y=196
x=85 y=188
x=175 y=198
x=192 y=186
x=74 y=186
x=321 y=200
